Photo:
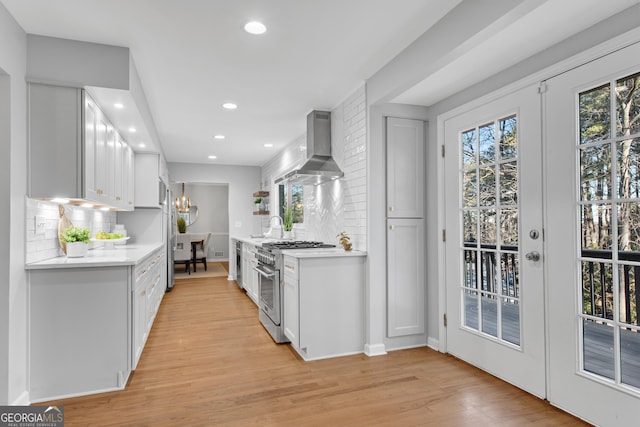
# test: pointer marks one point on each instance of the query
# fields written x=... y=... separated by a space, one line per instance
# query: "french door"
x=494 y=243
x=592 y=247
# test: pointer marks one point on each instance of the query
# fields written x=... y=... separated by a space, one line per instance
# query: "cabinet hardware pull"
x=391 y=227
x=390 y=208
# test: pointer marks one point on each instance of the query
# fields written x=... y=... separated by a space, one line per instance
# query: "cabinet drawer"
x=290 y=267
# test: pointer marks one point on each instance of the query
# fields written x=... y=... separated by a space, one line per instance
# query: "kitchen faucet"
x=281 y=225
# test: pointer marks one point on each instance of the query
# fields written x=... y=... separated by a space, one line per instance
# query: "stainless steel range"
x=270 y=284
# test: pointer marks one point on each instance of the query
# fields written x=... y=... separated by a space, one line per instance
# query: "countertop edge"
x=99 y=257
x=322 y=253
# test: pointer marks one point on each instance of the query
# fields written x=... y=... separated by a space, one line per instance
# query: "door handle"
x=533 y=256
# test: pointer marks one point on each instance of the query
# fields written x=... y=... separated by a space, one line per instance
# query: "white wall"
x=13 y=187
x=213 y=214
x=243 y=181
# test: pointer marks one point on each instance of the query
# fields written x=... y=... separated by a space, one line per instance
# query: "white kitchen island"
x=324 y=306
x=90 y=317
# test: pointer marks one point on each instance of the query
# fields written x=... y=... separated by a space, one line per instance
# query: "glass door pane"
x=489 y=157
x=610 y=229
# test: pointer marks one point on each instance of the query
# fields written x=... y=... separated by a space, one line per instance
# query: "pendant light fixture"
x=183 y=204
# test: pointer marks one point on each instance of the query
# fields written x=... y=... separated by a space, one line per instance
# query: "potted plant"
x=258 y=203
x=77 y=241
x=182 y=225
x=287 y=224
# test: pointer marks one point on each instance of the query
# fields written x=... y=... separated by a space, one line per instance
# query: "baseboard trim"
x=374 y=350
x=433 y=343
x=22 y=400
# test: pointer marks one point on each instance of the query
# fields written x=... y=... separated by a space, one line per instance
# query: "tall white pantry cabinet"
x=405 y=174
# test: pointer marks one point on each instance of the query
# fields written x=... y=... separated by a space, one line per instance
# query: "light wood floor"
x=209 y=362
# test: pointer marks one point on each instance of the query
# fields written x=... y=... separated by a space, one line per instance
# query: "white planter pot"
x=76 y=249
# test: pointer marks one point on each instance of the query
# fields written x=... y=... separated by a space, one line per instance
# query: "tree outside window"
x=291 y=195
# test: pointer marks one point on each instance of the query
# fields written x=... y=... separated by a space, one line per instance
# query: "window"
x=291 y=195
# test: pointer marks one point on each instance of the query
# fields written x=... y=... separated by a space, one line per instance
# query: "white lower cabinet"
x=291 y=299
x=324 y=305
x=88 y=325
x=79 y=332
x=249 y=275
x=149 y=287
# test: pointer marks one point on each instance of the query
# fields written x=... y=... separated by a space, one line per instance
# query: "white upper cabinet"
x=55 y=155
x=405 y=168
x=118 y=181
x=128 y=176
x=147 y=180
x=74 y=151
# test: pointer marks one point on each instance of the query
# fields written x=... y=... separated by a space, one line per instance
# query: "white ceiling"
x=193 y=55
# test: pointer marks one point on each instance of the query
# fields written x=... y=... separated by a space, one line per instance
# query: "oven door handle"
x=268 y=273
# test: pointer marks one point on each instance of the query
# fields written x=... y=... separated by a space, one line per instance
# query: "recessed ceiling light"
x=268 y=145
x=229 y=106
x=213 y=157
x=87 y=205
x=60 y=200
x=105 y=208
x=142 y=145
x=132 y=129
x=219 y=137
x=118 y=105
x=255 y=27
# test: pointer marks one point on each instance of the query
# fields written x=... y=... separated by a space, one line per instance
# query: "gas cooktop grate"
x=296 y=245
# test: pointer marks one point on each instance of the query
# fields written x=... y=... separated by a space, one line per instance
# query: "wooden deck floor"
x=598 y=339
x=209 y=362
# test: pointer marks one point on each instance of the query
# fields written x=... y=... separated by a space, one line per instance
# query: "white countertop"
x=303 y=253
x=120 y=255
x=322 y=253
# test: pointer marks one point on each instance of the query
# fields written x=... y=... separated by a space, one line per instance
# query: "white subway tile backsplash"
x=45 y=245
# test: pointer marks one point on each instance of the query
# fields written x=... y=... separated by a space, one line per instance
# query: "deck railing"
x=484 y=277
x=597 y=285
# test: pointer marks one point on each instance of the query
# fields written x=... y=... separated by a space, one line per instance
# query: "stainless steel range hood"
x=320 y=166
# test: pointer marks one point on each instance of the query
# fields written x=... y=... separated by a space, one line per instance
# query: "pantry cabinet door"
x=405 y=277
x=405 y=168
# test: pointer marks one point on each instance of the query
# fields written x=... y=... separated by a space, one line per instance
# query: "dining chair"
x=201 y=251
x=182 y=253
